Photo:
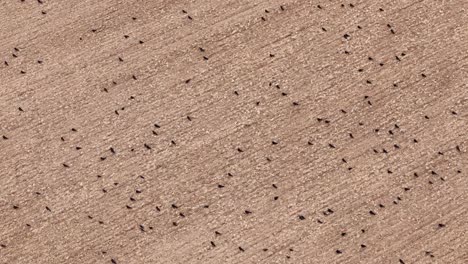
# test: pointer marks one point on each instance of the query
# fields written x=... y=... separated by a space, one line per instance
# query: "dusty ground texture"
x=234 y=131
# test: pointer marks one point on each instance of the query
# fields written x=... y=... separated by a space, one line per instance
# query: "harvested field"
x=234 y=131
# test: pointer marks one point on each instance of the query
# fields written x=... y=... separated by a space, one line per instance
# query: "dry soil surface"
x=234 y=131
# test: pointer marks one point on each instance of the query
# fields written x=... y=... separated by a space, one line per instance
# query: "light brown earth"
x=367 y=166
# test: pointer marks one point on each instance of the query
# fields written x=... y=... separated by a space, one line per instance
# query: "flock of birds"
x=323 y=216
